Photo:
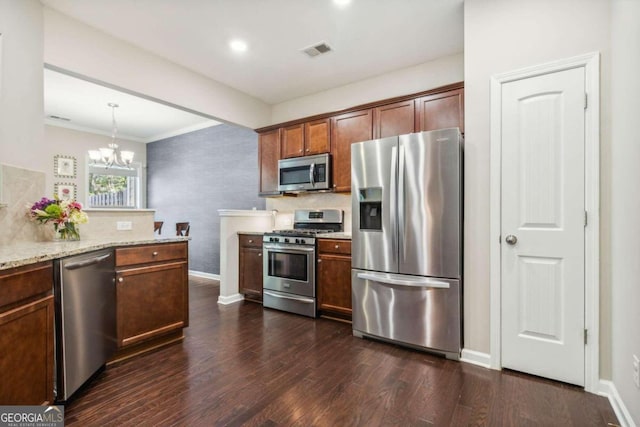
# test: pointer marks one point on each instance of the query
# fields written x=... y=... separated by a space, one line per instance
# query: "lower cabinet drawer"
x=150 y=253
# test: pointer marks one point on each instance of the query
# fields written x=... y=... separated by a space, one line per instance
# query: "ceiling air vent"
x=51 y=116
x=317 y=49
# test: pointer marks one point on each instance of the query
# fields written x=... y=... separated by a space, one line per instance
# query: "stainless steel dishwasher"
x=85 y=312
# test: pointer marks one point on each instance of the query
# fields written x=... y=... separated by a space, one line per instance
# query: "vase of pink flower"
x=64 y=214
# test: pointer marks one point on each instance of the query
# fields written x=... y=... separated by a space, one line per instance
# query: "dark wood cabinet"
x=26 y=335
x=250 y=266
x=292 y=141
x=394 y=119
x=306 y=139
x=441 y=110
x=152 y=292
x=334 y=277
x=335 y=132
x=268 y=156
x=317 y=134
x=345 y=130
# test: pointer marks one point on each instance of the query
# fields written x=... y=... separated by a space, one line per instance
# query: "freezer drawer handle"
x=305 y=300
x=424 y=283
x=87 y=262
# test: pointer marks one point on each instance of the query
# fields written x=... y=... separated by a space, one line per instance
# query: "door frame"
x=591 y=64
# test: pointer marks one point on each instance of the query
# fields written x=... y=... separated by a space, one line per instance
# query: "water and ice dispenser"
x=370 y=209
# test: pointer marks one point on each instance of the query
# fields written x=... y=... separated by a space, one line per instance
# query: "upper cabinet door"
x=269 y=154
x=345 y=130
x=394 y=119
x=439 y=111
x=317 y=134
x=293 y=141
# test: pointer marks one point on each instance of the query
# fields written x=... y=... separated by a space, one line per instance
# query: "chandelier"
x=112 y=155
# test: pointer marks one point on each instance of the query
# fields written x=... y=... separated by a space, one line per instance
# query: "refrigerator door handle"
x=401 y=204
x=393 y=200
x=422 y=282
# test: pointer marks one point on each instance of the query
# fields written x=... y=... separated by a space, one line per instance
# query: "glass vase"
x=67 y=232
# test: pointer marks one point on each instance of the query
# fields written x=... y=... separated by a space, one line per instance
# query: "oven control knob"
x=286 y=240
x=297 y=240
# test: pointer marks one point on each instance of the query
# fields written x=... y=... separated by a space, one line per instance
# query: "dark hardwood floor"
x=242 y=365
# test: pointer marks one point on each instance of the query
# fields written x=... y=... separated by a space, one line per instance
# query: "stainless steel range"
x=290 y=261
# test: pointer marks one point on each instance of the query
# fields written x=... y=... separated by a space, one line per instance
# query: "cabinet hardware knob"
x=120 y=280
x=300 y=150
x=337 y=246
x=155 y=254
x=307 y=149
x=250 y=241
x=319 y=260
x=260 y=254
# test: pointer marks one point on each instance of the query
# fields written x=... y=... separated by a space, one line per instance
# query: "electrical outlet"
x=636 y=371
x=124 y=225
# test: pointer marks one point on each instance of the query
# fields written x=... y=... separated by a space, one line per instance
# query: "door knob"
x=511 y=239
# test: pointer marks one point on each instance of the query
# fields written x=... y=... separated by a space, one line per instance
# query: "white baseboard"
x=476 y=358
x=204 y=275
x=230 y=299
x=608 y=389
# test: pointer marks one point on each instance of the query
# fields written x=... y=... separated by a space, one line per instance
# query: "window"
x=114 y=187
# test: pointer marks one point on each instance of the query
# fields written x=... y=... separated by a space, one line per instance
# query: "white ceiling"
x=369 y=37
x=85 y=105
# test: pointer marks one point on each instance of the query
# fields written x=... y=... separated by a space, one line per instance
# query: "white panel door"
x=542 y=231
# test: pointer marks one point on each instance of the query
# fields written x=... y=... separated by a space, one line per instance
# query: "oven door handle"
x=299 y=299
x=312 y=174
x=286 y=248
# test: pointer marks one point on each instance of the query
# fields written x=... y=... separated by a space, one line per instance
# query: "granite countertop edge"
x=25 y=253
x=336 y=236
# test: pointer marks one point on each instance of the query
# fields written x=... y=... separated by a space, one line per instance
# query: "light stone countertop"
x=338 y=236
x=253 y=233
x=25 y=253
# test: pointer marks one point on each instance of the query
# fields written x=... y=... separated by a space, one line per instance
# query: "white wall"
x=503 y=35
x=75 y=143
x=429 y=75
x=21 y=103
x=625 y=200
x=76 y=47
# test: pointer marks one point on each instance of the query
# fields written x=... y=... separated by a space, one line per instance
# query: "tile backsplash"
x=286 y=205
x=21 y=188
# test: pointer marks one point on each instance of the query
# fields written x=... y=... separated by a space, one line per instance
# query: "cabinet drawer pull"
x=260 y=254
x=337 y=246
x=250 y=241
x=155 y=254
x=120 y=280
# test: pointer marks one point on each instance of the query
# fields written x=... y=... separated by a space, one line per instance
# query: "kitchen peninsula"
x=151 y=294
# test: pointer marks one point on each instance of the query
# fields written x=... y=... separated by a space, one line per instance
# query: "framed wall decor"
x=65 y=191
x=64 y=166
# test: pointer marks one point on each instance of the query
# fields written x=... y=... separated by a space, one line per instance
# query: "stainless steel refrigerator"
x=407 y=240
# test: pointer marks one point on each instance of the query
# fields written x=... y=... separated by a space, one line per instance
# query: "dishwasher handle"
x=86 y=262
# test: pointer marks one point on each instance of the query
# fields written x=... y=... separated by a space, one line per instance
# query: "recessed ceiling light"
x=238 y=45
x=341 y=3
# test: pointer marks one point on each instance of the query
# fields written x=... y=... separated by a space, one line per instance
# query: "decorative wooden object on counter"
x=250 y=266
x=334 y=132
x=26 y=335
x=334 y=277
x=152 y=293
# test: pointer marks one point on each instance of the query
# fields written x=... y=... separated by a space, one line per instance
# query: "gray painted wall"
x=191 y=176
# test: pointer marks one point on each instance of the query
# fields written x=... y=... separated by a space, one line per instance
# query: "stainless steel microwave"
x=308 y=173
